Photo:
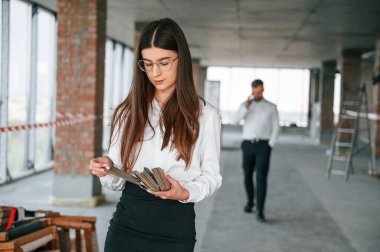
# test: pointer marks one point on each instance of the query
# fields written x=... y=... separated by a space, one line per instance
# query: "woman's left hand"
x=176 y=191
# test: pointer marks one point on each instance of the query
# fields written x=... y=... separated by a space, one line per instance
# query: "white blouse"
x=201 y=179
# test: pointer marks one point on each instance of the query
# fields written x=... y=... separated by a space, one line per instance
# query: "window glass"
x=117 y=75
x=1 y=25
x=107 y=109
x=128 y=71
x=337 y=86
x=118 y=78
x=3 y=161
x=287 y=88
x=19 y=79
x=45 y=86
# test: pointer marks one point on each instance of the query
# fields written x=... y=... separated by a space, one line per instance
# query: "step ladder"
x=349 y=128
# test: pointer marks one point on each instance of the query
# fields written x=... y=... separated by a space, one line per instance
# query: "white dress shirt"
x=260 y=121
x=201 y=179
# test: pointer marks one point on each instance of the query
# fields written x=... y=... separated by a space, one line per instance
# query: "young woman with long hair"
x=162 y=123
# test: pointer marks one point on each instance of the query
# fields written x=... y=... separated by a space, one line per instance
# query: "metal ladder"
x=344 y=151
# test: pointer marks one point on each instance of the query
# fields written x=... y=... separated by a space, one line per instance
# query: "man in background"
x=260 y=131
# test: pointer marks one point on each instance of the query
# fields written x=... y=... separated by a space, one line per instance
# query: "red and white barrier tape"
x=371 y=116
x=79 y=118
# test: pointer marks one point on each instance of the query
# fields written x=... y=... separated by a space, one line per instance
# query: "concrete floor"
x=305 y=211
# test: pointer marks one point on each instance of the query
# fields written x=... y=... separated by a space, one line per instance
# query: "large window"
x=287 y=88
x=28 y=86
x=118 y=77
x=28 y=83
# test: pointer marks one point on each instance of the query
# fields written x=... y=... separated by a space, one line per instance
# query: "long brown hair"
x=179 y=120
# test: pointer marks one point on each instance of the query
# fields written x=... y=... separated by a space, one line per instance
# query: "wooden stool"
x=31 y=241
x=84 y=228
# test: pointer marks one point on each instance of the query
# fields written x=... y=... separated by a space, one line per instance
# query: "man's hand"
x=176 y=191
x=248 y=102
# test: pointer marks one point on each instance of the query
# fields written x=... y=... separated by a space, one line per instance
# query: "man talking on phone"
x=260 y=131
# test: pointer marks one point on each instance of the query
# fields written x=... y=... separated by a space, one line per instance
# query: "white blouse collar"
x=156 y=106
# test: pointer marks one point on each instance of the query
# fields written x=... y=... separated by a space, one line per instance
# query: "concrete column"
x=203 y=78
x=138 y=28
x=203 y=75
x=350 y=73
x=80 y=87
x=314 y=78
x=350 y=84
x=376 y=100
x=326 y=92
x=314 y=105
x=197 y=77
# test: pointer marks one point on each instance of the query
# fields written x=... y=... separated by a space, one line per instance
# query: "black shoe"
x=260 y=217
x=248 y=208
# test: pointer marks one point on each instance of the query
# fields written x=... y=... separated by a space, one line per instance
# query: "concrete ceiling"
x=261 y=33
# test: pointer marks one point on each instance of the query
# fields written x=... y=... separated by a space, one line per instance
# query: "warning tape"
x=371 y=116
x=71 y=120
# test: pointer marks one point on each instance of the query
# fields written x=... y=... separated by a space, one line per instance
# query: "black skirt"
x=145 y=223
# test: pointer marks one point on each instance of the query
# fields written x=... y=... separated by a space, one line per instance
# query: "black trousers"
x=256 y=156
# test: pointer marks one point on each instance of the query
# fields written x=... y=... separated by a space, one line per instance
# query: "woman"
x=162 y=123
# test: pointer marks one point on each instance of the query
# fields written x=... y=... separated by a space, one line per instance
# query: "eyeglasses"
x=163 y=64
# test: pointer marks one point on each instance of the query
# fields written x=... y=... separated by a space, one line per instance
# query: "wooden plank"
x=3 y=236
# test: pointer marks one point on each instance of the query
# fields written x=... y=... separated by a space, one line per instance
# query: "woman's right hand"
x=99 y=165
